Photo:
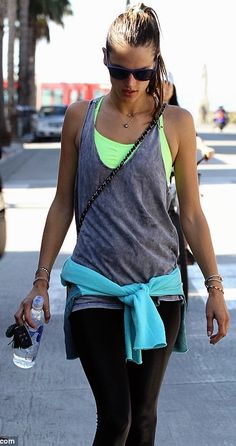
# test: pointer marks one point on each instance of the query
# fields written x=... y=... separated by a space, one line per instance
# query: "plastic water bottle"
x=25 y=358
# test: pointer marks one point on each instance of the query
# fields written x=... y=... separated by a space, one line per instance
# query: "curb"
x=209 y=128
x=13 y=149
x=12 y=159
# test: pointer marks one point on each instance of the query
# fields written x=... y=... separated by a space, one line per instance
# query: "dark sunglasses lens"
x=122 y=73
x=118 y=73
x=144 y=75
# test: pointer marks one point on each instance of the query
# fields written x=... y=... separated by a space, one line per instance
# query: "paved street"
x=51 y=404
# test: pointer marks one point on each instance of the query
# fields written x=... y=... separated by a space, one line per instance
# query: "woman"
x=170 y=93
x=125 y=307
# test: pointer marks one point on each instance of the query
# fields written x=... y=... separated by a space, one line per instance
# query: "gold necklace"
x=131 y=117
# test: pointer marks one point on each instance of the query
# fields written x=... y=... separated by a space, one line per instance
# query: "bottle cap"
x=37 y=303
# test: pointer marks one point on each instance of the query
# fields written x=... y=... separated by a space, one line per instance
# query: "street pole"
x=127 y=4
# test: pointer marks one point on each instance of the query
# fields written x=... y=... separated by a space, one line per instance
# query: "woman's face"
x=168 y=90
x=129 y=88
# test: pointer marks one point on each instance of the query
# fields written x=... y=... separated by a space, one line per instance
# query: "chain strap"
x=115 y=171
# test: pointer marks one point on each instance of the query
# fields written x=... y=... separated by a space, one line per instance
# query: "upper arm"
x=185 y=164
x=71 y=130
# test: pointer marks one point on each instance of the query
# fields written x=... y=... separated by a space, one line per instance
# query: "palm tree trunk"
x=3 y=130
x=23 y=89
x=11 y=12
x=32 y=53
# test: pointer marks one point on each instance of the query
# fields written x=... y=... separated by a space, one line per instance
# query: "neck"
x=144 y=105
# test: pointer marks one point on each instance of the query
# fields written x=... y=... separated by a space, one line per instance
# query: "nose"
x=131 y=79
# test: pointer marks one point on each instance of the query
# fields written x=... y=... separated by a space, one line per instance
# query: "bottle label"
x=36 y=334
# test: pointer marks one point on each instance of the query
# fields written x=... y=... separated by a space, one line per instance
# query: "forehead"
x=128 y=56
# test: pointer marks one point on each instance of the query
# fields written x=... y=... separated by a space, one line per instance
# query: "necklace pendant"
x=126 y=126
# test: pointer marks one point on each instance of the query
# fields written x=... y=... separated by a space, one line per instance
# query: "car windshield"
x=52 y=111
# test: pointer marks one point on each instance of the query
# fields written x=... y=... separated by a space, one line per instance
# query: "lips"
x=128 y=91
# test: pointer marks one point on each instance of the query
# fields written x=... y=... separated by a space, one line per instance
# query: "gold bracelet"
x=41 y=278
x=212 y=280
x=217 y=276
x=213 y=287
x=43 y=269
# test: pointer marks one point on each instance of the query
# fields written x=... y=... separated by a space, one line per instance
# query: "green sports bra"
x=112 y=152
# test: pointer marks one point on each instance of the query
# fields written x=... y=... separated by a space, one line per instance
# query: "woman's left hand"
x=216 y=309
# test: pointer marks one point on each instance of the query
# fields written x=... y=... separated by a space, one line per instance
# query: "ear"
x=104 y=56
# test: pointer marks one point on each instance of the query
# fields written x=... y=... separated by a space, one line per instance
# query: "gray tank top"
x=127 y=234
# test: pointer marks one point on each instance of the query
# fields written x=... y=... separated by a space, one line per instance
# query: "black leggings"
x=126 y=394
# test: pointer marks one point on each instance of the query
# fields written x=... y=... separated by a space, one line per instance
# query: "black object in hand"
x=20 y=334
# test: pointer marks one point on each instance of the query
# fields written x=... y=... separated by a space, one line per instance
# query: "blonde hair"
x=139 y=26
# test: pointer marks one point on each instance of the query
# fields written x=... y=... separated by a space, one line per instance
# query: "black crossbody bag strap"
x=115 y=171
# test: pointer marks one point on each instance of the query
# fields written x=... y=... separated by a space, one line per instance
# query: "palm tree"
x=40 y=13
x=38 y=29
x=23 y=88
x=4 y=135
x=11 y=13
x=34 y=16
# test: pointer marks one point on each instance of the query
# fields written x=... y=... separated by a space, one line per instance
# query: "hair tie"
x=137 y=9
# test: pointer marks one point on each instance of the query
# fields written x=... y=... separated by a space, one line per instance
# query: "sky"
x=194 y=33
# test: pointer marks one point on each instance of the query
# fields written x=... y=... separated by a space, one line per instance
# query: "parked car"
x=47 y=123
x=2 y=222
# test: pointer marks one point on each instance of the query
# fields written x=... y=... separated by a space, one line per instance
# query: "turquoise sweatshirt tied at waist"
x=144 y=328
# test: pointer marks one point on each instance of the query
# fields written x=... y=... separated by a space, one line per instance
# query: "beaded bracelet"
x=41 y=278
x=43 y=269
x=210 y=287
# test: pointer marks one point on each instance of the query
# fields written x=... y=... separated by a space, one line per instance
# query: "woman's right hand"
x=23 y=313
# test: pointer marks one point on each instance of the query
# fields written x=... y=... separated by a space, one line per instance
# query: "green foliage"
x=50 y=10
x=41 y=11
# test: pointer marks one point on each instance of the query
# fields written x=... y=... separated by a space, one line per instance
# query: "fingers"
x=214 y=338
x=47 y=314
x=210 y=326
x=19 y=315
x=23 y=314
x=223 y=325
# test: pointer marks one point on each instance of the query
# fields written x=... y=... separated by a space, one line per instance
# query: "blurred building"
x=65 y=93
x=62 y=93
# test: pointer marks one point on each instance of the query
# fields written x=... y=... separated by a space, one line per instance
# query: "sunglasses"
x=143 y=74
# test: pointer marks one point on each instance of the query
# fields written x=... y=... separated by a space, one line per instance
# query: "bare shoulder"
x=73 y=122
x=77 y=108
x=179 y=129
x=178 y=116
x=76 y=112
x=179 y=123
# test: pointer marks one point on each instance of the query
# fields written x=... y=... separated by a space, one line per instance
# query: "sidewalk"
x=11 y=150
x=16 y=147
x=198 y=399
x=210 y=128
x=13 y=156
x=52 y=404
